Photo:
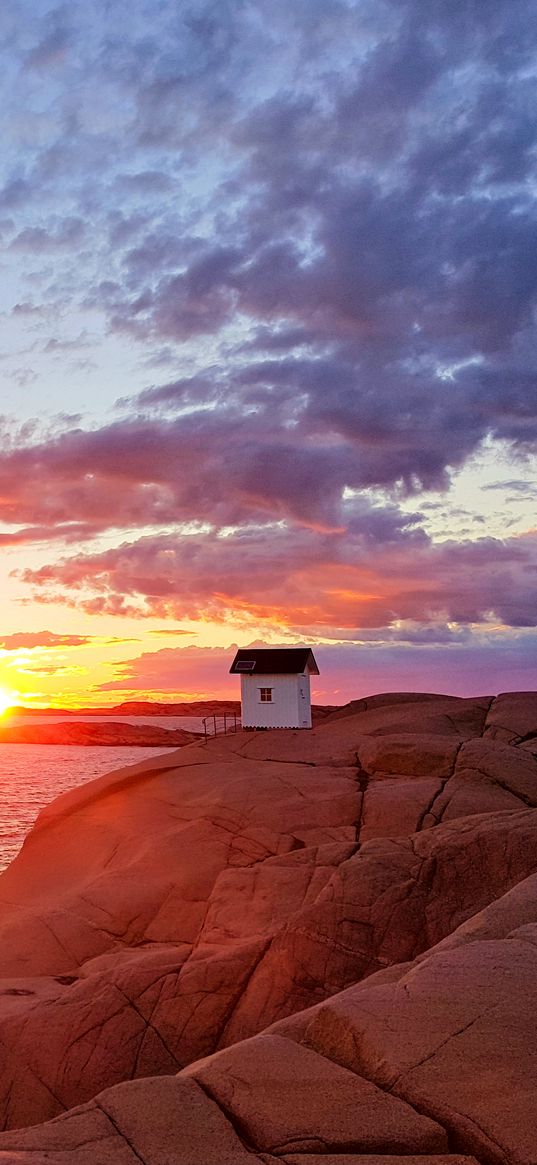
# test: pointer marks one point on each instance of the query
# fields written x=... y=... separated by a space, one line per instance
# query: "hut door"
x=303 y=702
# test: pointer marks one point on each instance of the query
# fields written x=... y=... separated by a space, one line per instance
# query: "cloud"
x=42 y=239
x=192 y=670
x=170 y=631
x=51 y=49
x=485 y=664
x=220 y=467
x=65 y=532
x=517 y=486
x=370 y=223
x=330 y=186
x=31 y=639
x=481 y=664
x=308 y=582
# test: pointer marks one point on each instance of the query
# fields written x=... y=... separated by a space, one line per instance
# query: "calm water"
x=32 y=775
x=189 y=723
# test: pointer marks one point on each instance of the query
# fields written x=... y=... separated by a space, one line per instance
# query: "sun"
x=6 y=700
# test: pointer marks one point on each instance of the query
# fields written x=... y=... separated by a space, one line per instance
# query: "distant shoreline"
x=135 y=708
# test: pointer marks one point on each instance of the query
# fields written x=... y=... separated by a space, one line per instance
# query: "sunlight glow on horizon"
x=7 y=700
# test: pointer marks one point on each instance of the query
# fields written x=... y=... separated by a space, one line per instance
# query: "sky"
x=268 y=352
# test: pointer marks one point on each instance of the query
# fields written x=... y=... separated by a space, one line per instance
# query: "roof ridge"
x=287 y=660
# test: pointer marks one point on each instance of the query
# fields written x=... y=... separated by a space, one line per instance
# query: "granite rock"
x=283 y=946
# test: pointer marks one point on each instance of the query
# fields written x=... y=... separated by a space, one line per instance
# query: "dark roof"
x=273 y=661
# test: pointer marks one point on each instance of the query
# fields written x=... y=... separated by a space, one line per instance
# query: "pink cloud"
x=195 y=671
x=304 y=581
x=474 y=665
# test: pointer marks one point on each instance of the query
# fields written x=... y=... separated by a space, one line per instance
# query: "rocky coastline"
x=98 y=733
x=22 y=725
x=315 y=948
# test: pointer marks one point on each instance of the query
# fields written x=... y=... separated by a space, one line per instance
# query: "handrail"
x=221 y=725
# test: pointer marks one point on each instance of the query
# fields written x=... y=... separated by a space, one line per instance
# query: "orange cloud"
x=33 y=639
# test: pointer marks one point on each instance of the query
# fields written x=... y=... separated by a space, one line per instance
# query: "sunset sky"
x=268 y=344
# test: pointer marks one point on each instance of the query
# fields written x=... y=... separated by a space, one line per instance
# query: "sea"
x=32 y=775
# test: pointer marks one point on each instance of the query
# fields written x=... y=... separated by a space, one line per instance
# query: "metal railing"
x=219 y=725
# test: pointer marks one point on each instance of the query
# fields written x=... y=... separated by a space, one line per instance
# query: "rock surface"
x=285 y=946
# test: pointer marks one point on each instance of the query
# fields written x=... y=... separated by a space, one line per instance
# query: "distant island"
x=137 y=708
x=98 y=733
x=21 y=725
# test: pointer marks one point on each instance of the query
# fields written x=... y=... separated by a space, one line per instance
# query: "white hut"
x=275 y=686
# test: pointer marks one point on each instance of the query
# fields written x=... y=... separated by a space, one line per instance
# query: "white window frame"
x=265 y=695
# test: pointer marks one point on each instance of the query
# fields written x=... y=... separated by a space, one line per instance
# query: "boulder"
x=391 y=900
x=462 y=1050
x=512 y=718
x=286 y=1098
x=160 y=1121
